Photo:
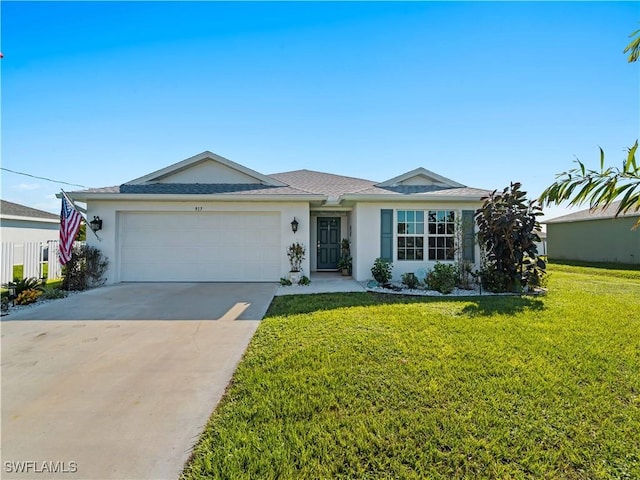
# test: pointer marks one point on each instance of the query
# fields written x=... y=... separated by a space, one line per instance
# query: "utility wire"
x=43 y=178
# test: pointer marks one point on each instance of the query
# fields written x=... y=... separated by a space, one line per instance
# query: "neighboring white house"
x=21 y=224
x=209 y=219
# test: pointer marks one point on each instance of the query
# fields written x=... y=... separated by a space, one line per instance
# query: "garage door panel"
x=206 y=246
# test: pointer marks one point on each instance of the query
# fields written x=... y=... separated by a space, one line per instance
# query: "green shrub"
x=410 y=280
x=304 y=280
x=494 y=280
x=443 y=277
x=85 y=269
x=50 y=293
x=381 y=270
x=28 y=296
x=285 y=282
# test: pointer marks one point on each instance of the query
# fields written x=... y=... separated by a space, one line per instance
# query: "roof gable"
x=420 y=177
x=206 y=168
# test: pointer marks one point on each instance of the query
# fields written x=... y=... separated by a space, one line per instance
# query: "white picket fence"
x=32 y=256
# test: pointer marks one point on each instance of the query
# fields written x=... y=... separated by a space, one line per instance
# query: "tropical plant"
x=23 y=284
x=443 y=278
x=634 y=47
x=285 y=282
x=381 y=270
x=602 y=187
x=410 y=280
x=508 y=231
x=304 y=280
x=599 y=187
x=295 y=253
x=345 y=263
x=85 y=269
x=28 y=296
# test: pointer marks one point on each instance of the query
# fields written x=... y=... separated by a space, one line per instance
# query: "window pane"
x=402 y=229
x=401 y=216
x=450 y=228
x=401 y=254
x=410 y=255
x=410 y=229
x=419 y=254
x=419 y=241
x=432 y=229
x=432 y=254
x=419 y=228
x=410 y=241
x=432 y=241
x=439 y=242
x=432 y=216
x=401 y=241
x=419 y=216
x=441 y=228
x=440 y=254
x=410 y=216
x=449 y=242
x=440 y=215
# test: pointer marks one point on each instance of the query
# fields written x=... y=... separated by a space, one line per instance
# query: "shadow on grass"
x=487 y=305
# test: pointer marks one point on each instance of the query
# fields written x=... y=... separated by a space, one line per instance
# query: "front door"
x=328 y=243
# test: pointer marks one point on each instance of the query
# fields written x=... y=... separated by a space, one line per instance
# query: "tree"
x=602 y=188
x=507 y=232
x=599 y=187
x=633 y=48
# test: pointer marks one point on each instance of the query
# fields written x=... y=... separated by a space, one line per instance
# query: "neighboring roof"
x=10 y=209
x=595 y=214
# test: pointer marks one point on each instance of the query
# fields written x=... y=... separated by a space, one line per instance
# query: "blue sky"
x=99 y=93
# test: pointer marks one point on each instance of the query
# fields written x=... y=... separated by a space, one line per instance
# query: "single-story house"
x=21 y=224
x=207 y=218
x=595 y=236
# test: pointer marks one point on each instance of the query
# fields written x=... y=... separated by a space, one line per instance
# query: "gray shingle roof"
x=322 y=183
x=17 y=210
x=596 y=214
x=195 y=188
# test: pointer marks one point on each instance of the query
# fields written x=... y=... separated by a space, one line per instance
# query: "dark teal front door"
x=328 y=243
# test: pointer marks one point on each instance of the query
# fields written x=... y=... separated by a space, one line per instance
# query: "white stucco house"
x=207 y=218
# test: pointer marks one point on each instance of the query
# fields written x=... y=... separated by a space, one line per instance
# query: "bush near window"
x=85 y=269
x=443 y=278
x=410 y=280
x=508 y=226
x=381 y=270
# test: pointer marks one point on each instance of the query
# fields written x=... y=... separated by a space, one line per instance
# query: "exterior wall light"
x=95 y=224
x=294 y=225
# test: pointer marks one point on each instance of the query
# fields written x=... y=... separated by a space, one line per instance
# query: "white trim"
x=416 y=173
x=201 y=157
x=145 y=197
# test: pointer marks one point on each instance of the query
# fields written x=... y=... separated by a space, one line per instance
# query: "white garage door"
x=201 y=247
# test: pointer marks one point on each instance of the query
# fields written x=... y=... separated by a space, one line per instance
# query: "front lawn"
x=372 y=386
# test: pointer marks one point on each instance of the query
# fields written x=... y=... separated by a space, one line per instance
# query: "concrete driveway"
x=119 y=382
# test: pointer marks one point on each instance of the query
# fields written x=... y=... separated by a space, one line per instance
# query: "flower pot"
x=294 y=277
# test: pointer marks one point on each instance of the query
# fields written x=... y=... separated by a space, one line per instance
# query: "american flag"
x=70 y=220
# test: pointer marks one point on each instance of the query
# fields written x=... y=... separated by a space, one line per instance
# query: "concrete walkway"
x=119 y=398
x=323 y=282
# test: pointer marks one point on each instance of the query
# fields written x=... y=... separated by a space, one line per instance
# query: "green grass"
x=371 y=386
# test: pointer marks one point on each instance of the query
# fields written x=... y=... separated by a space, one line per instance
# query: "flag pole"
x=86 y=222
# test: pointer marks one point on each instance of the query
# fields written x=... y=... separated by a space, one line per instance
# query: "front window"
x=410 y=235
x=440 y=233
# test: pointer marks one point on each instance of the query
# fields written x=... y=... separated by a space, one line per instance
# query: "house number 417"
x=198 y=209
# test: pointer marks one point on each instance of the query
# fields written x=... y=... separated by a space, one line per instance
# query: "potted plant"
x=295 y=253
x=344 y=265
x=345 y=244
